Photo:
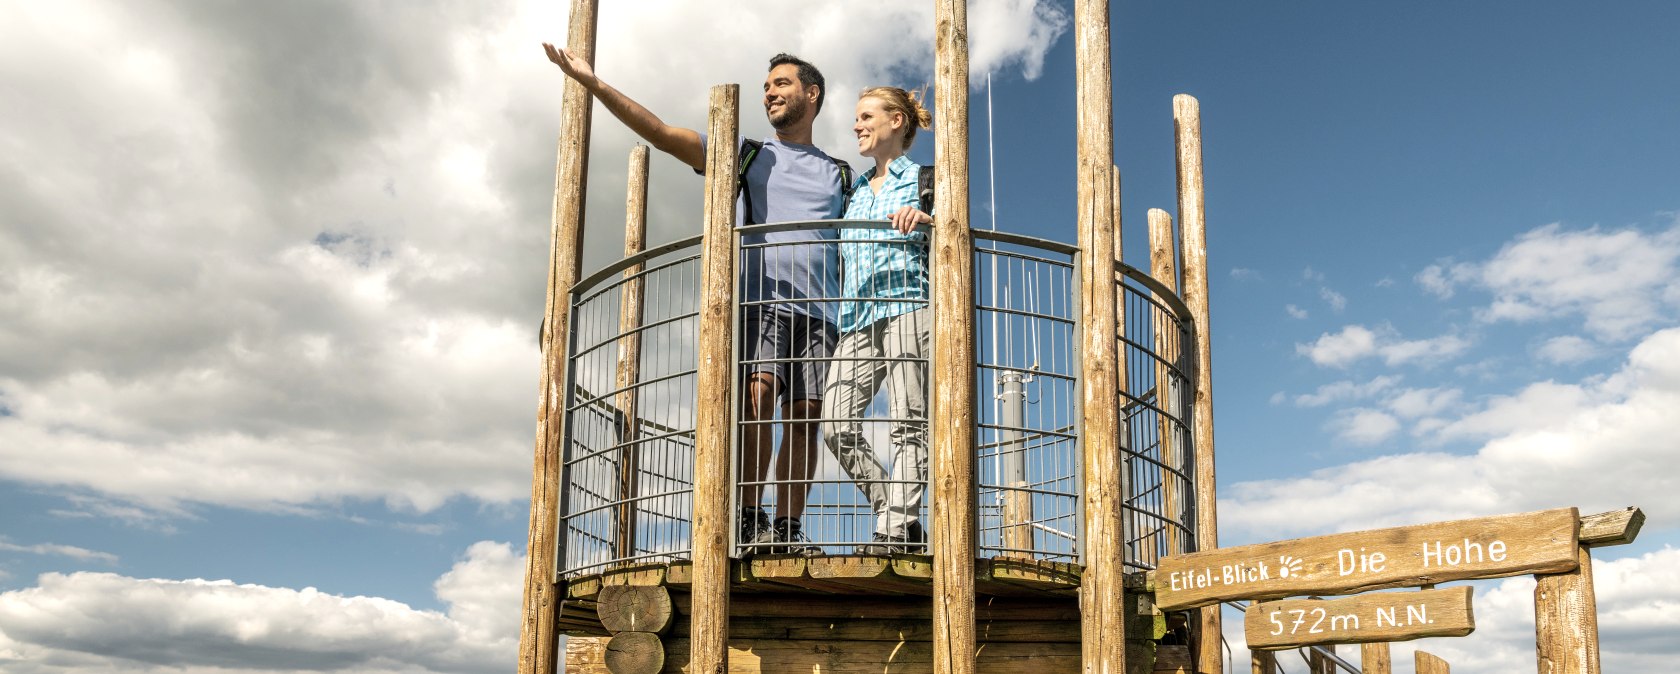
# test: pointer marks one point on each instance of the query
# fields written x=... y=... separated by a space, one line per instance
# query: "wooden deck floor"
x=834 y=575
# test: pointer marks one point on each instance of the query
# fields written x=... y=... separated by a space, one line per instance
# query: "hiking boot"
x=913 y=542
x=783 y=538
x=754 y=521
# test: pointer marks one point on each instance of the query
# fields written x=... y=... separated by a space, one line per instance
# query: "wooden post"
x=1375 y=659
x=1425 y=663
x=538 y=639
x=630 y=352
x=1187 y=128
x=1566 y=620
x=1318 y=664
x=1262 y=662
x=712 y=423
x=1163 y=267
x=953 y=413
x=1101 y=611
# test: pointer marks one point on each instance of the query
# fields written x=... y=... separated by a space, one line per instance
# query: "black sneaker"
x=783 y=538
x=754 y=522
x=914 y=541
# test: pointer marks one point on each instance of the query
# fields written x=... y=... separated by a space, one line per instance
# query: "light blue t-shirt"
x=790 y=183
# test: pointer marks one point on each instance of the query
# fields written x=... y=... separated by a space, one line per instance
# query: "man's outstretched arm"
x=684 y=144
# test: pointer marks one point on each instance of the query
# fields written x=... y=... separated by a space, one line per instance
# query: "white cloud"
x=59 y=550
x=1440 y=279
x=1422 y=402
x=1356 y=342
x=1341 y=349
x=1363 y=426
x=64 y=624
x=1295 y=311
x=1566 y=350
x=1335 y=299
x=307 y=262
x=1245 y=274
x=1599 y=445
x=1618 y=282
x=1345 y=390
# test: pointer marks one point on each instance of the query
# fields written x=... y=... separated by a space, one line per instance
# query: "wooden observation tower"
x=1069 y=433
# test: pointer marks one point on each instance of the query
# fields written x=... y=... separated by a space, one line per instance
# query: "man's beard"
x=793 y=109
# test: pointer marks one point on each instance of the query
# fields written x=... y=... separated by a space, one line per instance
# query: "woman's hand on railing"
x=908 y=217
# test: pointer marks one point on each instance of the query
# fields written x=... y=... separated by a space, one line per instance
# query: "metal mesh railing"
x=628 y=469
x=851 y=461
x=1026 y=326
x=1155 y=439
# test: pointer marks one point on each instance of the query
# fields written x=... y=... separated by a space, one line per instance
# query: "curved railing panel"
x=1027 y=373
x=628 y=468
x=1155 y=435
x=630 y=415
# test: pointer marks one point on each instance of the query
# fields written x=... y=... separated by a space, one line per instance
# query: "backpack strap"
x=846 y=179
x=749 y=152
x=924 y=189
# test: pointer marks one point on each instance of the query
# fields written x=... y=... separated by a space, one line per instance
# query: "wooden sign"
x=1367 y=618
x=1426 y=554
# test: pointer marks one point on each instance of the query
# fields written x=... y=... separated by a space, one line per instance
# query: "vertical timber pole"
x=1375 y=659
x=1187 y=127
x=953 y=413
x=1262 y=662
x=1163 y=267
x=630 y=353
x=1427 y=663
x=1101 y=608
x=1318 y=664
x=1566 y=620
x=538 y=639
x=712 y=424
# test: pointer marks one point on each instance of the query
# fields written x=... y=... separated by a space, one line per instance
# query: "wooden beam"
x=1187 y=130
x=1617 y=527
x=538 y=639
x=1318 y=664
x=1374 y=617
x=630 y=352
x=1101 y=607
x=712 y=424
x=953 y=413
x=1375 y=659
x=1425 y=663
x=1262 y=662
x=1358 y=561
x=1163 y=267
x=1566 y=620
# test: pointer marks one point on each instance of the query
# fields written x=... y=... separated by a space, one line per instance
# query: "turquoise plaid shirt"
x=881 y=263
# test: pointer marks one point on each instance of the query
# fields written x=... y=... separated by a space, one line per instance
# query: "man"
x=785 y=337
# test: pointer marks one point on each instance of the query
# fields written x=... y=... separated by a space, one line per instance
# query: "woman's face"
x=880 y=133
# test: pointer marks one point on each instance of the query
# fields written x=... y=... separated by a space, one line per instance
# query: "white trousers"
x=893 y=351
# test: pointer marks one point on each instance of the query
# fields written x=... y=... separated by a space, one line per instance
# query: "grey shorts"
x=779 y=341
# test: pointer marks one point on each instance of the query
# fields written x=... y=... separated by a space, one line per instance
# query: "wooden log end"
x=635 y=653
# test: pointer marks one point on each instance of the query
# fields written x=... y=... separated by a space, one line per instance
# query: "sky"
x=270 y=275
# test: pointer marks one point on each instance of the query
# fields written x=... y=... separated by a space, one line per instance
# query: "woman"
x=885 y=322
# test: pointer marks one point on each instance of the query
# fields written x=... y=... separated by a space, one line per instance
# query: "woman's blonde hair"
x=906 y=103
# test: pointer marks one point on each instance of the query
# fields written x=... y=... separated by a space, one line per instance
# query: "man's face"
x=786 y=102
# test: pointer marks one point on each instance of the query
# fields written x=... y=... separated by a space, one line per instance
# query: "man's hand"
x=574 y=67
x=908 y=217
